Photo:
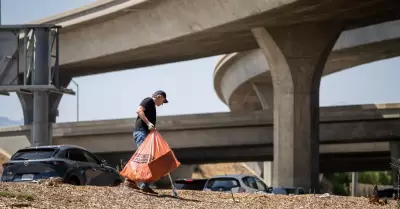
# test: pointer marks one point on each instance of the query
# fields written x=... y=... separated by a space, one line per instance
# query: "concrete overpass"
x=353 y=131
x=103 y=30
x=188 y=31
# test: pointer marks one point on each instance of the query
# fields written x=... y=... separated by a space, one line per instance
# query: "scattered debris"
x=324 y=195
x=52 y=181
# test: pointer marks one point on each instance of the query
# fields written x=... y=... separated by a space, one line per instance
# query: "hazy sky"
x=189 y=85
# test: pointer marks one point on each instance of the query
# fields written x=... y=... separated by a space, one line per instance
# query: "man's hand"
x=150 y=125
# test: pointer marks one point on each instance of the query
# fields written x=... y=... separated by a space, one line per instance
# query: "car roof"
x=61 y=147
x=232 y=176
x=191 y=179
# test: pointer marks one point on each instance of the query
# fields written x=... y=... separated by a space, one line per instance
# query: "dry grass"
x=23 y=195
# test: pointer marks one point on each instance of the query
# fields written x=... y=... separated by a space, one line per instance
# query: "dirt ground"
x=32 y=195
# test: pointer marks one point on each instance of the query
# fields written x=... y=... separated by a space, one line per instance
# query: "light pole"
x=0 y=12
x=77 y=99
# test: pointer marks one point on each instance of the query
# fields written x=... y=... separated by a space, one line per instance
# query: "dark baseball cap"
x=162 y=93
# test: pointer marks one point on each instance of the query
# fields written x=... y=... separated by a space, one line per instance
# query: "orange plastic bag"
x=151 y=161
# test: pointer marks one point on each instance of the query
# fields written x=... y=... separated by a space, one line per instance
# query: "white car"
x=236 y=184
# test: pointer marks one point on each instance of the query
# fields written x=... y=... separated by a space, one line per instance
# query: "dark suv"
x=75 y=165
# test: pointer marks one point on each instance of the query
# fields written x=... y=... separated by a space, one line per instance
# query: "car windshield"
x=34 y=154
x=190 y=184
x=222 y=184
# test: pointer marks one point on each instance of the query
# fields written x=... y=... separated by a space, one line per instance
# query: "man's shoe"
x=146 y=188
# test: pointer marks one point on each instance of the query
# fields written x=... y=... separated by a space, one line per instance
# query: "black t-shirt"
x=149 y=111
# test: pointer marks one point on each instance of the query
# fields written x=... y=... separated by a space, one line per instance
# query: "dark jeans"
x=139 y=136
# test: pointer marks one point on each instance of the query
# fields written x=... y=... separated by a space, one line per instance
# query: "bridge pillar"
x=265 y=94
x=297 y=55
x=268 y=172
x=26 y=101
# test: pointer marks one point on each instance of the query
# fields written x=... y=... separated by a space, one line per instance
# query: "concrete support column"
x=26 y=101
x=394 y=147
x=268 y=172
x=265 y=94
x=354 y=184
x=297 y=55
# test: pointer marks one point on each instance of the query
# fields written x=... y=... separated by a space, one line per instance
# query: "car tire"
x=73 y=180
x=117 y=182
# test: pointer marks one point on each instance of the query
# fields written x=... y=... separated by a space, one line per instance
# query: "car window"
x=34 y=154
x=75 y=155
x=260 y=185
x=279 y=191
x=290 y=190
x=390 y=193
x=190 y=185
x=250 y=182
x=90 y=158
x=225 y=183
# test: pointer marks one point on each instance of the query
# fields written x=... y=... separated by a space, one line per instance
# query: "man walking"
x=145 y=122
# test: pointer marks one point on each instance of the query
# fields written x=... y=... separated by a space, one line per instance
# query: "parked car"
x=190 y=184
x=294 y=190
x=286 y=190
x=388 y=193
x=236 y=184
x=75 y=165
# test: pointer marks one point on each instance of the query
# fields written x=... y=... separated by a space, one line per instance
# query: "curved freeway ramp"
x=88 y=9
x=243 y=80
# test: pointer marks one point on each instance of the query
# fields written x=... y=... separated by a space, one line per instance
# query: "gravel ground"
x=32 y=195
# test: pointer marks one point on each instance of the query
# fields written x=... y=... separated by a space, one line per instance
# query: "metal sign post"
x=29 y=69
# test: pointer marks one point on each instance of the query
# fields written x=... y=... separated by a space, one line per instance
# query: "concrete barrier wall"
x=14 y=138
